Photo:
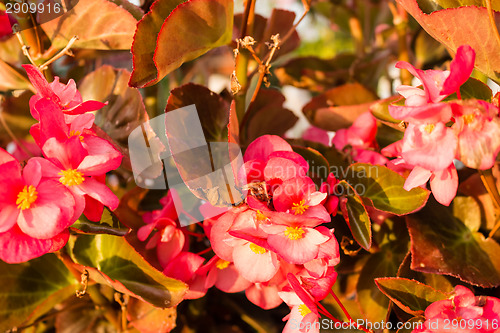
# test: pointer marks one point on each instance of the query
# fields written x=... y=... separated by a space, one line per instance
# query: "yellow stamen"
x=300 y=208
x=221 y=264
x=294 y=233
x=429 y=128
x=76 y=133
x=260 y=217
x=304 y=310
x=26 y=197
x=257 y=249
x=468 y=118
x=71 y=177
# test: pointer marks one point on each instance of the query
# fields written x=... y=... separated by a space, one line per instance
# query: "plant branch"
x=65 y=51
x=24 y=47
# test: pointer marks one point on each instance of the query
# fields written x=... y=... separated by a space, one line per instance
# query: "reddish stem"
x=347 y=313
x=204 y=251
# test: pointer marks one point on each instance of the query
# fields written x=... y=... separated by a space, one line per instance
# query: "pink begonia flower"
x=220 y=232
x=293 y=237
x=316 y=134
x=66 y=97
x=54 y=125
x=478 y=129
x=250 y=248
x=304 y=315
x=76 y=168
x=266 y=295
x=34 y=212
x=298 y=196
x=444 y=183
x=422 y=106
x=361 y=138
x=185 y=267
x=468 y=313
x=431 y=146
x=224 y=275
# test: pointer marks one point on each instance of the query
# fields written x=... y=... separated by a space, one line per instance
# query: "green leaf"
x=112 y=26
x=475 y=89
x=112 y=260
x=454 y=27
x=31 y=289
x=373 y=302
x=109 y=224
x=355 y=215
x=442 y=244
x=411 y=296
x=380 y=110
x=183 y=33
x=266 y=115
x=319 y=168
x=384 y=188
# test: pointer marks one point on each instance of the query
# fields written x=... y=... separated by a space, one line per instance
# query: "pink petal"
x=184 y=266
x=84 y=107
x=279 y=169
x=81 y=122
x=229 y=280
x=92 y=208
x=460 y=69
x=427 y=113
x=263 y=146
x=32 y=172
x=292 y=156
x=102 y=157
x=100 y=192
x=8 y=217
x=50 y=214
x=69 y=153
x=40 y=83
x=297 y=251
x=219 y=232
x=264 y=296
x=255 y=267
x=418 y=177
x=444 y=185
x=17 y=247
x=316 y=134
x=167 y=251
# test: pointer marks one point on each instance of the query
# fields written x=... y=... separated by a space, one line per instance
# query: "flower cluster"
x=462 y=313
x=440 y=130
x=40 y=201
x=273 y=246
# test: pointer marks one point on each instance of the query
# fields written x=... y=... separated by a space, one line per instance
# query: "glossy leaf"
x=318 y=165
x=148 y=319
x=112 y=260
x=458 y=26
x=410 y=295
x=338 y=107
x=267 y=115
x=372 y=301
x=184 y=33
x=384 y=188
x=443 y=244
x=109 y=224
x=355 y=215
x=112 y=26
x=31 y=289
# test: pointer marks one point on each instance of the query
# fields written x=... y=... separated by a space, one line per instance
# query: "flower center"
x=71 y=177
x=429 y=128
x=300 y=208
x=468 y=118
x=257 y=249
x=221 y=264
x=26 y=197
x=76 y=133
x=260 y=217
x=294 y=233
x=304 y=310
